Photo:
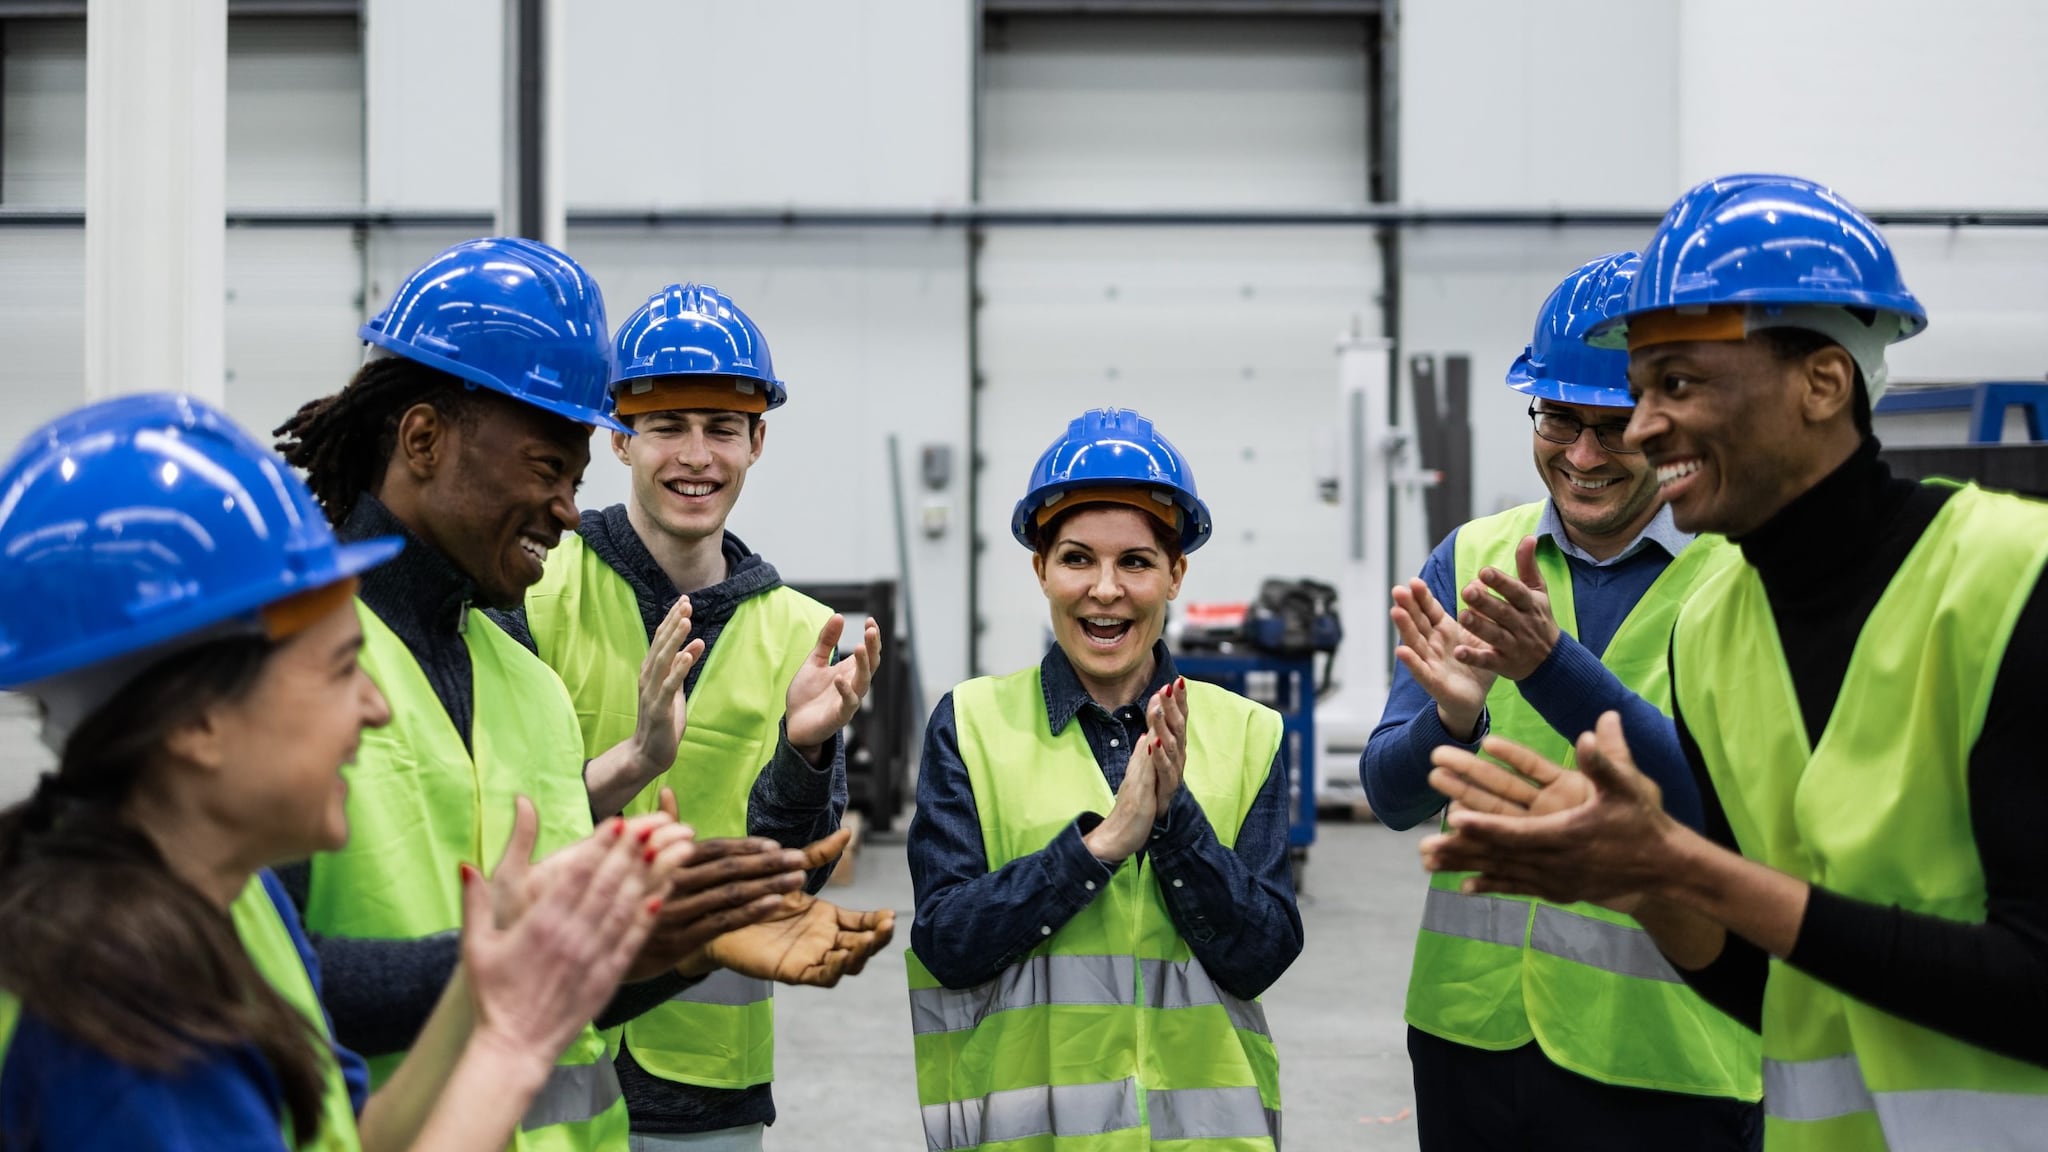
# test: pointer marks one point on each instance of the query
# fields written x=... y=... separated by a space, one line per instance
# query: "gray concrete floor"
x=843 y=1062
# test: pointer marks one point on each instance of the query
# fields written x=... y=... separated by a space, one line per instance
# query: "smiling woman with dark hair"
x=1100 y=847
x=177 y=605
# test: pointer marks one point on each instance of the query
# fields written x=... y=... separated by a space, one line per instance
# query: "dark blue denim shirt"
x=1233 y=906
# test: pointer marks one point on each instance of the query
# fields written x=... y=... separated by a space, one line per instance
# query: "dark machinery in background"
x=1266 y=651
x=878 y=739
x=2017 y=467
x=1443 y=422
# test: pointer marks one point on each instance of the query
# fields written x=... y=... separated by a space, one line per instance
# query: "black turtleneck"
x=1824 y=561
x=424 y=598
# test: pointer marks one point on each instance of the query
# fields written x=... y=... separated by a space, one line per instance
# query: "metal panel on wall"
x=295 y=112
x=1161 y=112
x=1223 y=336
x=42 y=113
x=292 y=310
x=42 y=327
x=833 y=103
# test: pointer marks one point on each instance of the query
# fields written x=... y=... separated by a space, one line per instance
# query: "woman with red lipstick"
x=174 y=600
x=1100 y=847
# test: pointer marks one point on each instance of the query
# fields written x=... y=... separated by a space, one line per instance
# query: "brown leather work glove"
x=805 y=940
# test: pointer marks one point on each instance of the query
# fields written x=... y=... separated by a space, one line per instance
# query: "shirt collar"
x=1065 y=697
x=1661 y=532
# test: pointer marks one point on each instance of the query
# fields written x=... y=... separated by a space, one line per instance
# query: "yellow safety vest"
x=1110 y=1036
x=1878 y=810
x=420 y=805
x=586 y=624
x=1588 y=984
x=269 y=946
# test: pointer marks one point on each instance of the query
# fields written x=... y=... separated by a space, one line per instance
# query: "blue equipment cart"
x=1288 y=686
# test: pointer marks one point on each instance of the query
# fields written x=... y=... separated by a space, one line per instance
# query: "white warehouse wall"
x=867 y=104
x=1602 y=104
x=817 y=103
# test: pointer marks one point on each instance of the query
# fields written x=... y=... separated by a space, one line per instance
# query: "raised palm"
x=823 y=696
x=1430 y=638
x=805 y=941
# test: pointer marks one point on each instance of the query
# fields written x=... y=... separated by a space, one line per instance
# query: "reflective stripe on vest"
x=1186 y=984
x=268 y=944
x=1031 y=981
x=1069 y=1111
x=1923 y=1120
x=727 y=987
x=1494 y=972
x=586 y=624
x=1111 y=1023
x=1878 y=808
x=420 y=803
x=573 y=1093
x=1064 y=1110
x=1091 y=980
x=1618 y=948
x=1211 y=1114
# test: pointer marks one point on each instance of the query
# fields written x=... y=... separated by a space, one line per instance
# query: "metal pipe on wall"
x=1366 y=216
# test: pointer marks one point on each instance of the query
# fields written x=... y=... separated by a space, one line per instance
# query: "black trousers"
x=1472 y=1100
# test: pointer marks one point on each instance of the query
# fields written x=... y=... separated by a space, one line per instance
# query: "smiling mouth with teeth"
x=1105 y=629
x=1671 y=473
x=1589 y=485
x=689 y=488
x=534 y=548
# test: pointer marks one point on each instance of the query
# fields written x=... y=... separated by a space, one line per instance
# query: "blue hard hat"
x=1112 y=448
x=1766 y=240
x=132 y=522
x=511 y=315
x=694 y=330
x=1558 y=364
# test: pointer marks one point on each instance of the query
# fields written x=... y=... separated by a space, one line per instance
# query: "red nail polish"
x=654 y=906
x=618 y=827
x=467 y=873
x=646 y=834
x=649 y=855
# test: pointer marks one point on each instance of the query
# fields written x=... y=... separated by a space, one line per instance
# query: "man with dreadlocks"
x=466 y=434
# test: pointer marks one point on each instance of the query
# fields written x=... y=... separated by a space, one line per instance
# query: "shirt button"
x=1114 y=743
x=1089 y=885
x=1176 y=884
x=1045 y=929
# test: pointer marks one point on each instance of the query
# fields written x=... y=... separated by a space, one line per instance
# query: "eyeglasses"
x=1559 y=428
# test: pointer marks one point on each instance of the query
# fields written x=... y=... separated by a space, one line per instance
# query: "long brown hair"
x=103 y=941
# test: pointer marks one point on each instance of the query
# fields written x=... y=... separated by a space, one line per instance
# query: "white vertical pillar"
x=1367 y=459
x=155 y=186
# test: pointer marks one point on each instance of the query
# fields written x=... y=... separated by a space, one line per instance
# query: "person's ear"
x=760 y=441
x=199 y=742
x=425 y=440
x=620 y=442
x=1828 y=377
x=1179 y=571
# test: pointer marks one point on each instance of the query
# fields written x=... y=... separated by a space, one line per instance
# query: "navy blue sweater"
x=1570 y=689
